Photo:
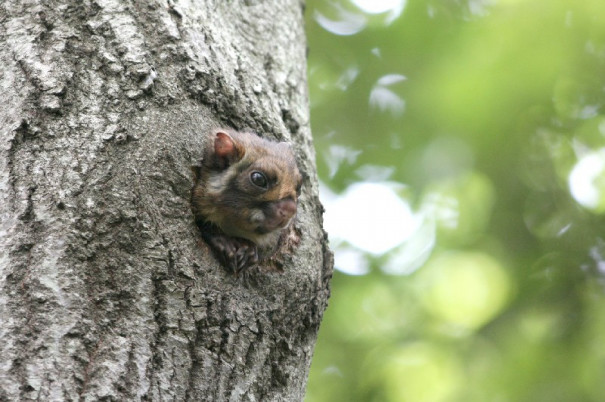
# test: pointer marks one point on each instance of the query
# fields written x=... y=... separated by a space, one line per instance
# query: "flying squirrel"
x=244 y=197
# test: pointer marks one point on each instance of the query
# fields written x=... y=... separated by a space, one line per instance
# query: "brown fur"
x=228 y=205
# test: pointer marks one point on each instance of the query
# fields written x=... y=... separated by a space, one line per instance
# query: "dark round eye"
x=258 y=179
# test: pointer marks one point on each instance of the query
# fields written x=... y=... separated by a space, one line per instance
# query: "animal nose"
x=286 y=208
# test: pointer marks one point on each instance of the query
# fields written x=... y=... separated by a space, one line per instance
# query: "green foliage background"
x=497 y=110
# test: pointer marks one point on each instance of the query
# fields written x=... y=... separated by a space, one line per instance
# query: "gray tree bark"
x=106 y=292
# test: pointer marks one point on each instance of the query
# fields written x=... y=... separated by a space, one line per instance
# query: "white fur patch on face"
x=217 y=182
x=257 y=216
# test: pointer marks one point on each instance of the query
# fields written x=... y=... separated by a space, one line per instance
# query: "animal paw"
x=234 y=253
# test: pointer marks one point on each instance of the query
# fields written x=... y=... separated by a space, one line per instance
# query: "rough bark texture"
x=105 y=290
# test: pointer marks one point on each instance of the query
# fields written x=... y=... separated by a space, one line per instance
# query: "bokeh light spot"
x=466 y=289
x=587 y=181
x=343 y=22
x=369 y=216
x=379 y=6
x=422 y=372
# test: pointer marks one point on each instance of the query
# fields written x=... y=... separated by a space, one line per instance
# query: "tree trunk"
x=106 y=290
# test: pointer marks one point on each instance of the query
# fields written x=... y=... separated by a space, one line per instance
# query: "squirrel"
x=244 y=197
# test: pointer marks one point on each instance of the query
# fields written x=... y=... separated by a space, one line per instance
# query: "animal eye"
x=258 y=179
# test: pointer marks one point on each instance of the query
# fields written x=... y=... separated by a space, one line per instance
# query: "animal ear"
x=226 y=150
